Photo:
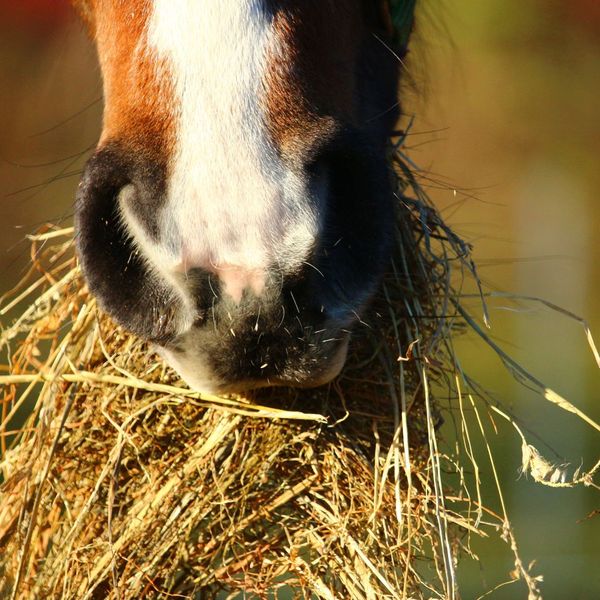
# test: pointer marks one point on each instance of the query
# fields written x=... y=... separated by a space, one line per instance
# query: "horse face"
x=237 y=211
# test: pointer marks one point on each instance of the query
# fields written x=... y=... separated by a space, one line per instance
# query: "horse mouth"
x=204 y=375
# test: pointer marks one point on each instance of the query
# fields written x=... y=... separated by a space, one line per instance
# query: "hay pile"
x=123 y=483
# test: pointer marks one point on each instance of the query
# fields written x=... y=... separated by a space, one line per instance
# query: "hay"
x=123 y=483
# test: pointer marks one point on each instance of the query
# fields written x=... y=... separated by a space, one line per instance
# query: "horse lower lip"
x=199 y=374
x=325 y=376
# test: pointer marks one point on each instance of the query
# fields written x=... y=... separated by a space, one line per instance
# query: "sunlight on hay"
x=123 y=483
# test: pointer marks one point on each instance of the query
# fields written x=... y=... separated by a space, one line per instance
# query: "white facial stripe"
x=231 y=201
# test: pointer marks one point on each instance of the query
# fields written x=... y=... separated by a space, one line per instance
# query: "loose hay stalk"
x=123 y=483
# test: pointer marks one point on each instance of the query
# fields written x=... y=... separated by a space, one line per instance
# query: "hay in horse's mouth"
x=123 y=483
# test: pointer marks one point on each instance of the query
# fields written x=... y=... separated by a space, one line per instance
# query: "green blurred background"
x=507 y=133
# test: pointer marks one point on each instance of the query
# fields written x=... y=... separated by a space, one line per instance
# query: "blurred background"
x=507 y=135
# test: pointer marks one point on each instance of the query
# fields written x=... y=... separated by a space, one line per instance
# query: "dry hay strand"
x=123 y=483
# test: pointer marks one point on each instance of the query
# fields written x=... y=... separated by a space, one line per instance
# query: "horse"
x=238 y=210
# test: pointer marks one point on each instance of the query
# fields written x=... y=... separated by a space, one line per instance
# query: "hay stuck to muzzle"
x=123 y=483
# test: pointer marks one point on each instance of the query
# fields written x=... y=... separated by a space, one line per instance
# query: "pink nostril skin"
x=235 y=279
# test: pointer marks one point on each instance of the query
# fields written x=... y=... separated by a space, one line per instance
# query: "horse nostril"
x=111 y=263
x=101 y=243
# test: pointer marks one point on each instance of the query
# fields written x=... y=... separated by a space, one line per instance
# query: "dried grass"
x=123 y=483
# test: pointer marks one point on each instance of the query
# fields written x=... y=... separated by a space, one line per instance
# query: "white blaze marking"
x=232 y=208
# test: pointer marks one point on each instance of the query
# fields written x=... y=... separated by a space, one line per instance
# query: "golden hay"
x=123 y=483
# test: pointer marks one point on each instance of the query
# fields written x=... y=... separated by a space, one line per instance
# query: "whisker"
x=64 y=121
x=313 y=267
x=43 y=184
x=49 y=163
